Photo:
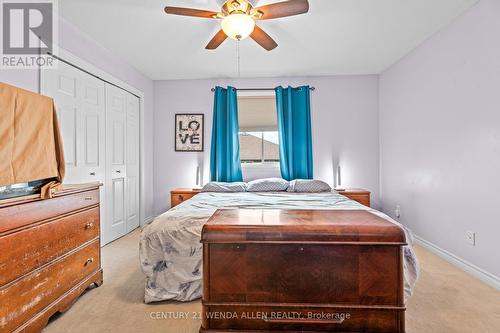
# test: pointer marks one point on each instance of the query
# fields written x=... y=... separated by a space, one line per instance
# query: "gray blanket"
x=171 y=252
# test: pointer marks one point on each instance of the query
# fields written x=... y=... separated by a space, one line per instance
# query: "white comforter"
x=171 y=252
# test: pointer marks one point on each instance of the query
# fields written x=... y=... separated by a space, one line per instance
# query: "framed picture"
x=189 y=132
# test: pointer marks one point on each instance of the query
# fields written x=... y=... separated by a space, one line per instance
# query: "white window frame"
x=256 y=165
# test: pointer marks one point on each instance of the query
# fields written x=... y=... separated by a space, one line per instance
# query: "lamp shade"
x=238 y=26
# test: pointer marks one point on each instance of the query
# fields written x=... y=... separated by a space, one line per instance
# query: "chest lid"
x=296 y=225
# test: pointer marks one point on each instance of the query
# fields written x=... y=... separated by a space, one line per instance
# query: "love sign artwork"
x=189 y=132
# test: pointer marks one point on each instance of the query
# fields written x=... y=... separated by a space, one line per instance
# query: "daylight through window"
x=259 y=138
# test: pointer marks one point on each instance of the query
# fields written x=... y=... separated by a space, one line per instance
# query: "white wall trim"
x=479 y=273
x=76 y=61
x=148 y=219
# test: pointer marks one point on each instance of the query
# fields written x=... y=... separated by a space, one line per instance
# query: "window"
x=259 y=147
x=258 y=126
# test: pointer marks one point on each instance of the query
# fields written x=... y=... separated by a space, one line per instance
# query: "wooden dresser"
x=49 y=255
x=302 y=271
x=180 y=195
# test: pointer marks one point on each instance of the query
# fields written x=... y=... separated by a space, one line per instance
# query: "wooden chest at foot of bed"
x=302 y=270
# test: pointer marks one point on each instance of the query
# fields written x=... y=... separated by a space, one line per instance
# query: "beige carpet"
x=446 y=300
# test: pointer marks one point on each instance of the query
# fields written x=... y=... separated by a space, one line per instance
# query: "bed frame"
x=302 y=270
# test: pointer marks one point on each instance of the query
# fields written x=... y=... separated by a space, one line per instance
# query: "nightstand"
x=356 y=194
x=180 y=195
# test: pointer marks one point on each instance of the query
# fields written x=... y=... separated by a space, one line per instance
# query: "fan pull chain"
x=238 y=58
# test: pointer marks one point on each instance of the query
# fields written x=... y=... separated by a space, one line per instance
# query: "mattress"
x=171 y=252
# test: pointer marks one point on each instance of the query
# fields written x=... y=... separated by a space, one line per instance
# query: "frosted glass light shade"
x=238 y=26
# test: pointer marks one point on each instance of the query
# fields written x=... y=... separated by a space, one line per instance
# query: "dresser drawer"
x=24 y=298
x=361 y=198
x=31 y=248
x=360 y=195
x=20 y=215
x=178 y=198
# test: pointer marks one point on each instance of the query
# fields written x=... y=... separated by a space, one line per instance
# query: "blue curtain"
x=225 y=165
x=294 y=124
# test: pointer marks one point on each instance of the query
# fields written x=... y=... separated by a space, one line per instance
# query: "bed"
x=171 y=252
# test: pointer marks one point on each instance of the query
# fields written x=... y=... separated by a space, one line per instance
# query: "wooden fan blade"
x=217 y=40
x=263 y=39
x=283 y=9
x=190 y=12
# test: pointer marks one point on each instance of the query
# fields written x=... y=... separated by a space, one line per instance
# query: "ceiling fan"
x=239 y=16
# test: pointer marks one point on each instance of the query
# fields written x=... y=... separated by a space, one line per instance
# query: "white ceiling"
x=336 y=37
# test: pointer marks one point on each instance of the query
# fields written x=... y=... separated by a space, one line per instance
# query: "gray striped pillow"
x=225 y=187
x=308 y=186
x=267 y=185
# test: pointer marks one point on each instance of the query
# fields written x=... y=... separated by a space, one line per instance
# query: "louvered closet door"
x=116 y=173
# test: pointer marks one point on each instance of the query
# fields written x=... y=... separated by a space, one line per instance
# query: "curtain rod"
x=260 y=89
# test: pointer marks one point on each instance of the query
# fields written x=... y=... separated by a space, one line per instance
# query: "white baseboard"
x=148 y=219
x=479 y=273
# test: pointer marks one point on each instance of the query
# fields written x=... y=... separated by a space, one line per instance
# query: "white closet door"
x=132 y=162
x=116 y=172
x=100 y=130
x=80 y=106
x=62 y=86
x=92 y=126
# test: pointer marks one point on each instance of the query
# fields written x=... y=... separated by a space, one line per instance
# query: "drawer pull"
x=118 y=171
x=89 y=261
x=89 y=225
x=88 y=198
x=92 y=173
x=181 y=197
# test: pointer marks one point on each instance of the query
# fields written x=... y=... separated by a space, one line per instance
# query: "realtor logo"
x=28 y=33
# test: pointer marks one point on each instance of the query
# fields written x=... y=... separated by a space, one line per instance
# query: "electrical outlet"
x=470 y=237
x=397 y=211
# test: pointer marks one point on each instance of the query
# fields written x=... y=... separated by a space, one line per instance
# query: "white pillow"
x=308 y=186
x=224 y=187
x=267 y=185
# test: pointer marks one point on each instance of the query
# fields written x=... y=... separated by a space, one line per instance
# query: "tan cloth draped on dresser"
x=30 y=139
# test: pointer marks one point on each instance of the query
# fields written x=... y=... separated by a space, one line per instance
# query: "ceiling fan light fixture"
x=238 y=26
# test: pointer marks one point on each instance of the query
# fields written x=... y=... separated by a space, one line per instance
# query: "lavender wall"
x=439 y=130
x=344 y=120
x=440 y=137
x=85 y=48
